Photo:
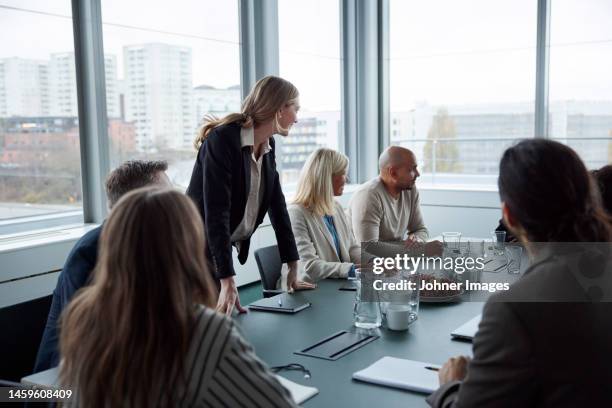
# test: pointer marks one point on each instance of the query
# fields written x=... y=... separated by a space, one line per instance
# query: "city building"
x=63 y=85
x=293 y=151
x=122 y=135
x=475 y=136
x=24 y=87
x=159 y=95
x=209 y=100
x=27 y=141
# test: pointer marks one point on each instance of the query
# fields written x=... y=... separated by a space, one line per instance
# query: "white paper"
x=467 y=330
x=299 y=392
x=400 y=373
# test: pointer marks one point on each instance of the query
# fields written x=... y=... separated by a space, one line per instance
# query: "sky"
x=441 y=51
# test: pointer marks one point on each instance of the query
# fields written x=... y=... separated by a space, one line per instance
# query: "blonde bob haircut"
x=315 y=190
x=262 y=104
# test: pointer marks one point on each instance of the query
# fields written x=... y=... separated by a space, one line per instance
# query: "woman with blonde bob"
x=235 y=183
x=144 y=333
x=325 y=240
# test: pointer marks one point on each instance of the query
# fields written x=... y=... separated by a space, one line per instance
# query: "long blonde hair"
x=315 y=190
x=124 y=339
x=261 y=105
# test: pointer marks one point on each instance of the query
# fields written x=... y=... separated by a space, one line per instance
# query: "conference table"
x=276 y=336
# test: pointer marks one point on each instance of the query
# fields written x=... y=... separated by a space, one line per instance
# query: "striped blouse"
x=223 y=370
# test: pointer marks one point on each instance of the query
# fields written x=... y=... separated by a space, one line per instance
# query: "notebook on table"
x=282 y=303
x=468 y=330
x=400 y=373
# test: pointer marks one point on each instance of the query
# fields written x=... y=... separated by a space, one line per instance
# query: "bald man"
x=387 y=207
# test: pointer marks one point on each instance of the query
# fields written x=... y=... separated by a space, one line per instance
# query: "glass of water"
x=452 y=240
x=366 y=312
x=499 y=242
x=514 y=254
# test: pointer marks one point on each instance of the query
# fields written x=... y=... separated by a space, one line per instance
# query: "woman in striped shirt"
x=143 y=334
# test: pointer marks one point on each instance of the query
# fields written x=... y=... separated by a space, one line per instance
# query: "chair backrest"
x=269 y=264
x=22 y=326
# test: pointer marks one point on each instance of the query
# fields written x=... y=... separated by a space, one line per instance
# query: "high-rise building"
x=24 y=87
x=209 y=100
x=159 y=95
x=293 y=151
x=63 y=85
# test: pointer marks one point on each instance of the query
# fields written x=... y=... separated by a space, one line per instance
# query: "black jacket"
x=219 y=186
x=75 y=274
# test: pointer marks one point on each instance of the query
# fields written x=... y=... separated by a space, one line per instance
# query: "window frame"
x=364 y=28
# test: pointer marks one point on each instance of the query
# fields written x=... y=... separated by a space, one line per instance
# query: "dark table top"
x=276 y=336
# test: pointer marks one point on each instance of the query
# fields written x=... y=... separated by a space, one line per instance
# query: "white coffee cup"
x=398 y=317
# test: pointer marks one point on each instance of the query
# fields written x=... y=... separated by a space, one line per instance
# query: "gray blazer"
x=553 y=353
x=318 y=256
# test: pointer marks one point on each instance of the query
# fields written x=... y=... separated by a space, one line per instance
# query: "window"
x=580 y=85
x=309 y=57
x=168 y=68
x=39 y=135
x=462 y=84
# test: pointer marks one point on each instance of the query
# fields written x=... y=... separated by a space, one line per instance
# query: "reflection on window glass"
x=462 y=84
x=39 y=135
x=165 y=70
x=309 y=57
x=580 y=78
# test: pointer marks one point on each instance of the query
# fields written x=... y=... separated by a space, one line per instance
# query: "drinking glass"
x=451 y=240
x=499 y=242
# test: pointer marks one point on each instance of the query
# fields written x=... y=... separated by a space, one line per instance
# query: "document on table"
x=468 y=330
x=400 y=373
x=299 y=392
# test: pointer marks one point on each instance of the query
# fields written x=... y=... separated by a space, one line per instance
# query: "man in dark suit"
x=82 y=258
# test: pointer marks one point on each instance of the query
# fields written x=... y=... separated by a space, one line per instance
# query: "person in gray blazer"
x=323 y=234
x=547 y=341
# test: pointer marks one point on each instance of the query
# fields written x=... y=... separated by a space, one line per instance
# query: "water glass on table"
x=499 y=242
x=451 y=240
x=366 y=312
x=514 y=254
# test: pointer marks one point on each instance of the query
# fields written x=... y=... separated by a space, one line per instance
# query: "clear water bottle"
x=366 y=313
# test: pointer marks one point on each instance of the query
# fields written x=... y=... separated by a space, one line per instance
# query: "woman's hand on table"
x=293 y=283
x=228 y=297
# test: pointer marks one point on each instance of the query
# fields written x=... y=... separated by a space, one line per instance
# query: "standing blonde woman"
x=235 y=183
x=144 y=334
x=325 y=240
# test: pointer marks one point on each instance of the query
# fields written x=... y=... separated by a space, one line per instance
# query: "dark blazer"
x=551 y=353
x=219 y=186
x=75 y=274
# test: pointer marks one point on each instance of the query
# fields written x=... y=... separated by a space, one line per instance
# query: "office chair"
x=269 y=265
x=22 y=327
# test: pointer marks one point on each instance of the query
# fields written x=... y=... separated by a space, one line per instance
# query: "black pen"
x=432 y=368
